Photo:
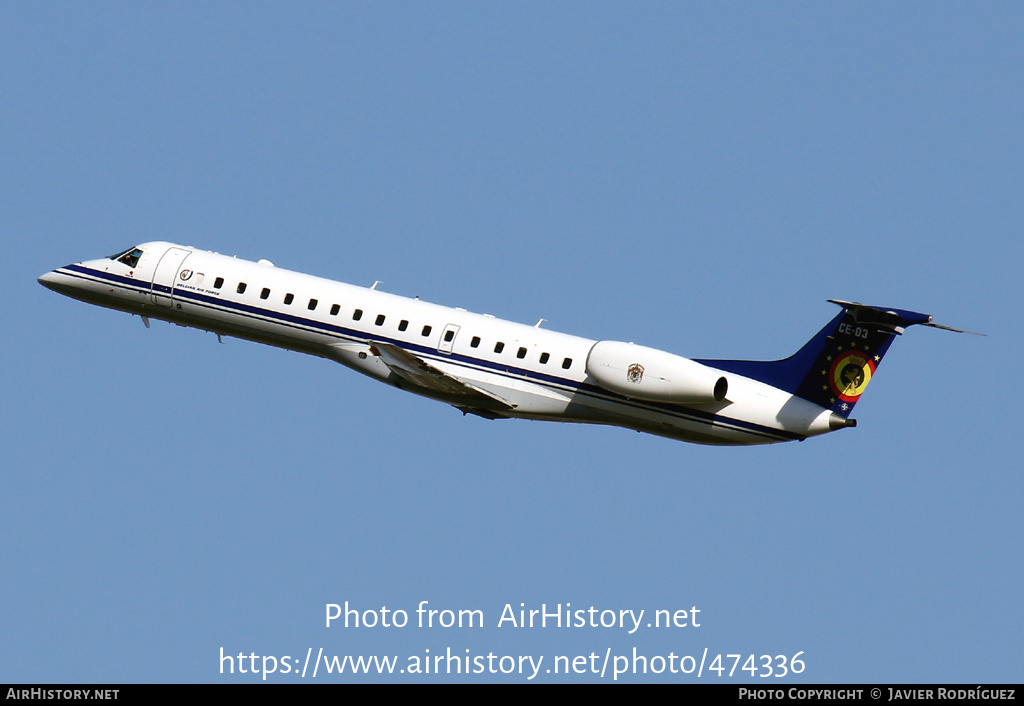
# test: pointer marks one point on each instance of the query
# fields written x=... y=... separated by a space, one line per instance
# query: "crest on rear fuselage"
x=635 y=373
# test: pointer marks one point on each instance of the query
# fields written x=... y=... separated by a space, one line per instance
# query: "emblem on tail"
x=834 y=368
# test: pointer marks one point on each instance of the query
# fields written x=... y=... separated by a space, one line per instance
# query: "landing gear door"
x=448 y=338
x=166 y=275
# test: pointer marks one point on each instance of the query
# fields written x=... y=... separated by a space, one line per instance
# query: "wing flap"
x=420 y=373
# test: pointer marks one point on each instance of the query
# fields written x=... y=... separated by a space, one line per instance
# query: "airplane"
x=499 y=369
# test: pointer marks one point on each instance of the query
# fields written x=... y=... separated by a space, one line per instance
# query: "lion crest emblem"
x=635 y=373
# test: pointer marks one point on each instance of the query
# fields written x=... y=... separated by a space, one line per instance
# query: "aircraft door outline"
x=165 y=276
x=447 y=340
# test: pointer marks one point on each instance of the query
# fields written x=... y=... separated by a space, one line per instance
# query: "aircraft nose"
x=49 y=280
x=57 y=282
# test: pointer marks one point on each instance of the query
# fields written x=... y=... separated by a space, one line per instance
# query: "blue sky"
x=694 y=177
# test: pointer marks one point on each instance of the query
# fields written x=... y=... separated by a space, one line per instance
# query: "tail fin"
x=834 y=368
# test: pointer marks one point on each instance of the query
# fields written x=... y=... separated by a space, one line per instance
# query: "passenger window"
x=380 y=320
x=499 y=347
x=218 y=283
x=312 y=304
x=426 y=331
x=448 y=336
x=544 y=358
x=475 y=342
x=335 y=308
x=357 y=314
x=403 y=325
x=265 y=293
x=521 y=353
x=567 y=363
x=241 y=288
x=289 y=298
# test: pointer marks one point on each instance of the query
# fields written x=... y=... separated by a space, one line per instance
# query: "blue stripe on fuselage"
x=431 y=353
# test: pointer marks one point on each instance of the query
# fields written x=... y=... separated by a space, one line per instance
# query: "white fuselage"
x=476 y=362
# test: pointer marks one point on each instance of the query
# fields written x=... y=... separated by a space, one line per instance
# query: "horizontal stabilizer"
x=954 y=330
x=897 y=319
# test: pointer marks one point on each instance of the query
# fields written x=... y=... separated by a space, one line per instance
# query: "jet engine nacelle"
x=649 y=374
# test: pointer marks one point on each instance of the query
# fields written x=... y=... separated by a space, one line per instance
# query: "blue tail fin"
x=834 y=368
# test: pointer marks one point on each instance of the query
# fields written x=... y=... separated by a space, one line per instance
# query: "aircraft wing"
x=419 y=373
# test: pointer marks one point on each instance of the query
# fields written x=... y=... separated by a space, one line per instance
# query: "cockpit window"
x=129 y=257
